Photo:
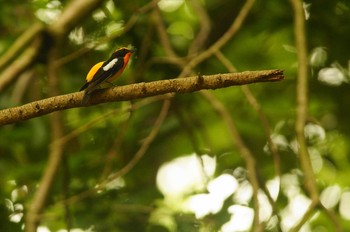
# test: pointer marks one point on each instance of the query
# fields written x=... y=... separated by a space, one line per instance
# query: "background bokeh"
x=187 y=172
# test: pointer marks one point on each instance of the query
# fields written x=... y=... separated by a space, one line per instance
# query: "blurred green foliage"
x=265 y=41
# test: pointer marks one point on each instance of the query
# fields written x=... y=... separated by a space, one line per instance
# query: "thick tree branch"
x=135 y=91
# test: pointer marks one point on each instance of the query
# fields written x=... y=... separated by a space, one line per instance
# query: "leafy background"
x=191 y=177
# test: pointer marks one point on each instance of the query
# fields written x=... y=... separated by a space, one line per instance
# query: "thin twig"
x=137 y=157
x=205 y=27
x=302 y=110
x=84 y=50
x=188 y=126
x=65 y=191
x=22 y=63
x=21 y=86
x=333 y=217
x=78 y=131
x=309 y=212
x=242 y=148
x=235 y=26
x=244 y=151
x=302 y=114
x=145 y=144
x=163 y=35
x=112 y=153
x=302 y=98
x=266 y=126
x=262 y=116
x=20 y=43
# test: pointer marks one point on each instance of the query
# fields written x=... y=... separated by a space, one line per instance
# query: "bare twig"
x=21 y=85
x=266 y=126
x=205 y=27
x=188 y=126
x=22 y=63
x=133 y=19
x=256 y=106
x=145 y=144
x=302 y=114
x=65 y=191
x=20 y=43
x=163 y=35
x=309 y=212
x=243 y=151
x=134 y=91
x=302 y=98
x=333 y=217
x=302 y=110
x=114 y=148
x=75 y=133
x=223 y=39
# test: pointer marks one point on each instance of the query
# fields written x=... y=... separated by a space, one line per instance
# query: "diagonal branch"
x=22 y=63
x=144 y=147
x=302 y=98
x=20 y=43
x=135 y=91
x=205 y=27
x=243 y=150
x=310 y=182
x=236 y=25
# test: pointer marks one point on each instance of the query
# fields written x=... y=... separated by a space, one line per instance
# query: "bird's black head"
x=121 y=52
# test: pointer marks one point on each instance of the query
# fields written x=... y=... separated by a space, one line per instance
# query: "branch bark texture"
x=136 y=91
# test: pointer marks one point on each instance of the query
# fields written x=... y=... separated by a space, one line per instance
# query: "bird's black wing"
x=108 y=69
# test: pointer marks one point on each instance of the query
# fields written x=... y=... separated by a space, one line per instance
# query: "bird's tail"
x=84 y=86
x=85 y=98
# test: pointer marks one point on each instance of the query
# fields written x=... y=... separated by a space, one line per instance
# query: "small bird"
x=106 y=71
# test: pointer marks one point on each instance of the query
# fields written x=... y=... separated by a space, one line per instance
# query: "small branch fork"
x=136 y=91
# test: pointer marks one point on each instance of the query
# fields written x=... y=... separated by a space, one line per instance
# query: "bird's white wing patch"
x=110 y=64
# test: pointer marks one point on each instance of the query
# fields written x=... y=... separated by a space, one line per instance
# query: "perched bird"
x=106 y=71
